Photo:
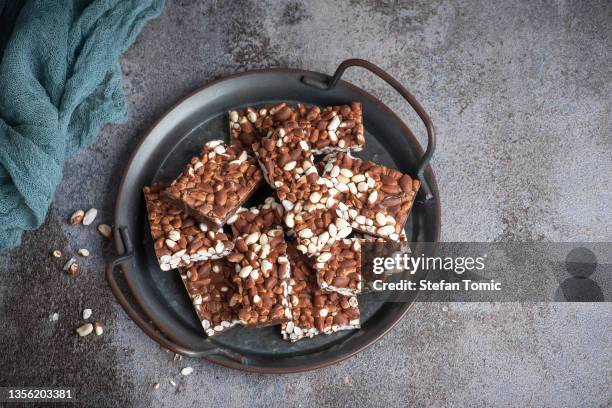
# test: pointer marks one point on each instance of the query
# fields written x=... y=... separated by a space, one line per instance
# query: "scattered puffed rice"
x=90 y=216
x=85 y=330
x=68 y=263
x=105 y=230
x=77 y=217
x=71 y=267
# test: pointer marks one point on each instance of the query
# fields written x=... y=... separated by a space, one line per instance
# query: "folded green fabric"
x=60 y=82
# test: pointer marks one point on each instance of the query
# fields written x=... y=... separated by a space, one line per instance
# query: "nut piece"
x=83 y=252
x=156 y=386
x=71 y=267
x=89 y=216
x=77 y=217
x=86 y=313
x=105 y=230
x=186 y=371
x=68 y=263
x=85 y=330
x=57 y=253
x=98 y=328
x=74 y=269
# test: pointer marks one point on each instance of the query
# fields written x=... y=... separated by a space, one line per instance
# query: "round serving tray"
x=158 y=303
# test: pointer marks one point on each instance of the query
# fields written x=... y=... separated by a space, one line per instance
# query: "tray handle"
x=382 y=74
x=125 y=257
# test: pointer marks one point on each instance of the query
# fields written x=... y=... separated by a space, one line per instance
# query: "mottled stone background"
x=520 y=92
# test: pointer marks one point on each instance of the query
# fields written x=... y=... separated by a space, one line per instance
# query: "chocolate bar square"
x=262 y=276
x=378 y=199
x=249 y=125
x=260 y=218
x=313 y=311
x=316 y=228
x=338 y=267
x=287 y=162
x=178 y=238
x=213 y=294
x=215 y=184
x=334 y=128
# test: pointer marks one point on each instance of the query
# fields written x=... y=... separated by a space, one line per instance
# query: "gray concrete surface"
x=520 y=94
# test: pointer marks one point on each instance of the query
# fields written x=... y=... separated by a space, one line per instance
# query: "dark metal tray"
x=158 y=303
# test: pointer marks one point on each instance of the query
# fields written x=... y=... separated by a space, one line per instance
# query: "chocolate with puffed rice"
x=259 y=218
x=336 y=128
x=331 y=129
x=378 y=199
x=249 y=125
x=287 y=162
x=178 y=238
x=338 y=267
x=315 y=312
x=213 y=294
x=215 y=184
x=317 y=226
x=262 y=273
x=375 y=247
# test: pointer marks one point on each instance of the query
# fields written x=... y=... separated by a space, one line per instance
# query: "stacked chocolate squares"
x=295 y=259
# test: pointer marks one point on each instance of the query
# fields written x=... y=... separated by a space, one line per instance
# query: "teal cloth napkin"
x=60 y=82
